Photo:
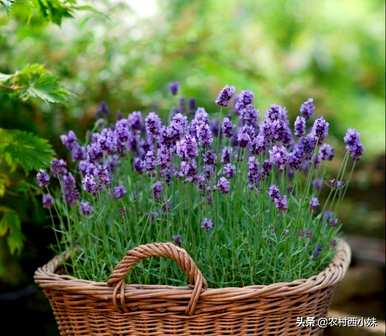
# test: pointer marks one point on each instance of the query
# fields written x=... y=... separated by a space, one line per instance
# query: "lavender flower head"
x=249 y=115
x=85 y=208
x=173 y=87
x=317 y=184
x=207 y=224
x=307 y=108
x=300 y=126
x=69 y=140
x=204 y=134
x=226 y=155
x=244 y=99
x=353 y=144
x=135 y=121
x=326 y=152
x=253 y=172
x=229 y=170
x=187 y=148
x=278 y=155
x=153 y=124
x=48 y=201
x=243 y=137
x=223 y=185
x=42 y=178
x=320 y=129
x=317 y=251
x=227 y=127
x=58 y=167
x=314 y=203
x=157 y=190
x=119 y=191
x=225 y=96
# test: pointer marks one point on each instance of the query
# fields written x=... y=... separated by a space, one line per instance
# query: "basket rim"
x=47 y=279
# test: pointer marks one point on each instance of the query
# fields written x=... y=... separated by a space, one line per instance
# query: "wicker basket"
x=95 y=308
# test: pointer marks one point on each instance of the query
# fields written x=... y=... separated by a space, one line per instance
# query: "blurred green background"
x=126 y=52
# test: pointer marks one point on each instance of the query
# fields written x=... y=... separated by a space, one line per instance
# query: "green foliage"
x=34 y=82
x=49 y=10
x=19 y=150
x=10 y=227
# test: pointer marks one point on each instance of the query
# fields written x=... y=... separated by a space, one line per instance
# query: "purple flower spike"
x=177 y=240
x=243 y=137
x=173 y=87
x=153 y=124
x=135 y=121
x=119 y=191
x=353 y=144
x=225 y=96
x=314 y=203
x=282 y=203
x=139 y=165
x=248 y=115
x=42 y=178
x=207 y=224
x=85 y=208
x=150 y=161
x=258 y=145
x=274 y=192
x=157 y=190
x=192 y=105
x=320 y=129
x=89 y=184
x=267 y=167
x=326 y=152
x=102 y=111
x=307 y=108
x=58 y=167
x=223 y=185
x=227 y=127
x=48 y=201
x=317 y=251
x=253 y=172
x=210 y=158
x=204 y=134
x=317 y=184
x=69 y=140
x=226 y=155
x=229 y=170
x=187 y=148
x=244 y=99
x=278 y=155
x=300 y=126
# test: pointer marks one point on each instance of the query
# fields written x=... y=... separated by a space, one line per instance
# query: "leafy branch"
x=18 y=149
x=34 y=81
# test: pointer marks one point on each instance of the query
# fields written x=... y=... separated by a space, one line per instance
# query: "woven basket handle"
x=166 y=250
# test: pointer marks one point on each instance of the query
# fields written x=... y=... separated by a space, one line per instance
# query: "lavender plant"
x=242 y=196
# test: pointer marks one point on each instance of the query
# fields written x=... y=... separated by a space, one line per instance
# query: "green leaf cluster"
x=20 y=153
x=34 y=81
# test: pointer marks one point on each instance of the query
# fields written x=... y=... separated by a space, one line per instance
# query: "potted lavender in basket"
x=241 y=194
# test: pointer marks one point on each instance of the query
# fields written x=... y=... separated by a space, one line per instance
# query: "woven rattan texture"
x=89 y=308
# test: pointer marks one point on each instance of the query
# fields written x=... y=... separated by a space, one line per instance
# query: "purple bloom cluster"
x=42 y=178
x=281 y=202
x=353 y=144
x=119 y=191
x=85 y=208
x=48 y=201
x=223 y=185
x=244 y=99
x=173 y=87
x=307 y=108
x=225 y=96
x=215 y=157
x=157 y=190
x=207 y=224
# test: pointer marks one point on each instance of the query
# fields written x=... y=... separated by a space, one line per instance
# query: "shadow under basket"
x=83 y=307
